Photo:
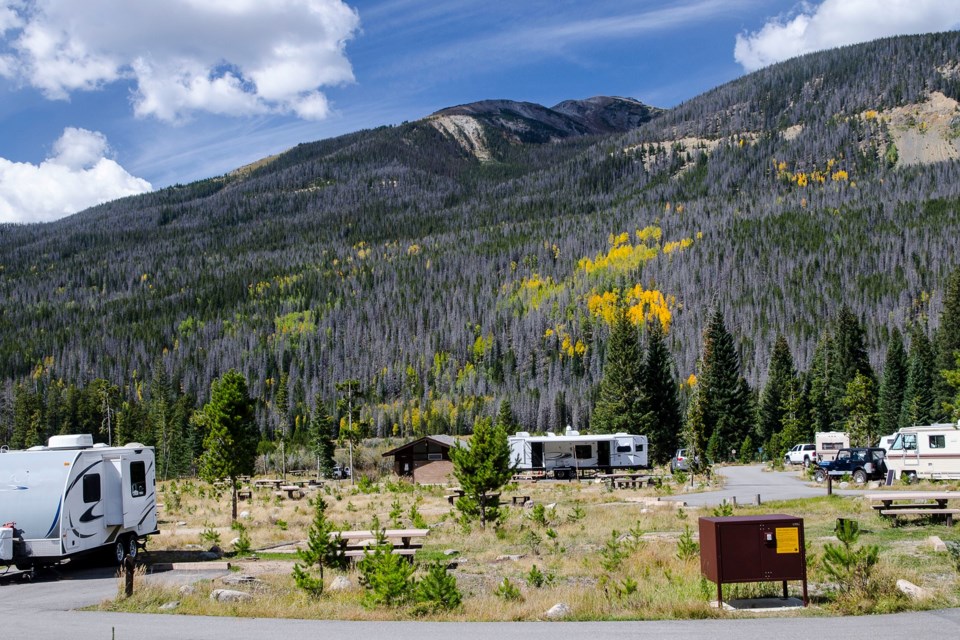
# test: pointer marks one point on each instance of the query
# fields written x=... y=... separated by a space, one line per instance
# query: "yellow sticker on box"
x=788 y=540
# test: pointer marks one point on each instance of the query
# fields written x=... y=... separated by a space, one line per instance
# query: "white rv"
x=931 y=452
x=567 y=455
x=829 y=443
x=73 y=497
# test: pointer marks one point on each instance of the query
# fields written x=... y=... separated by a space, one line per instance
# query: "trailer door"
x=536 y=455
x=603 y=453
x=112 y=491
x=135 y=493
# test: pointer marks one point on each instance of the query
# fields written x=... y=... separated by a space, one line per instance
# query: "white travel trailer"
x=73 y=497
x=567 y=455
x=829 y=442
x=931 y=452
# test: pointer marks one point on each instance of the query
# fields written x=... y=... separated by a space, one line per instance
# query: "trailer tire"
x=132 y=547
x=118 y=550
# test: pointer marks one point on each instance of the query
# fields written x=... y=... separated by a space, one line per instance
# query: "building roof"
x=444 y=441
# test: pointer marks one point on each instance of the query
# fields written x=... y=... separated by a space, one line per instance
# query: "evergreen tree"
x=320 y=440
x=822 y=413
x=918 y=397
x=947 y=346
x=483 y=468
x=727 y=408
x=505 y=418
x=849 y=359
x=322 y=550
x=231 y=435
x=660 y=397
x=773 y=401
x=620 y=401
x=860 y=403
x=795 y=418
x=893 y=385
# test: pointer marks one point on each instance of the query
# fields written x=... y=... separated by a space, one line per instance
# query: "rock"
x=181 y=523
x=187 y=590
x=911 y=590
x=239 y=579
x=244 y=515
x=340 y=583
x=229 y=595
x=451 y=552
x=235 y=542
x=510 y=558
x=169 y=606
x=937 y=543
x=552 y=505
x=558 y=611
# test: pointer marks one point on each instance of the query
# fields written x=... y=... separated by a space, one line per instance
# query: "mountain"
x=445 y=279
x=480 y=127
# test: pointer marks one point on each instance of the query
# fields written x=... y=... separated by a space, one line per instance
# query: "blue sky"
x=105 y=98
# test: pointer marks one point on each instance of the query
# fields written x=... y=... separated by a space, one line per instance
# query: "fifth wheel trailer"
x=567 y=455
x=74 y=497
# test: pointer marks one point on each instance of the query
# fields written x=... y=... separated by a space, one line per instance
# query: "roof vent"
x=73 y=441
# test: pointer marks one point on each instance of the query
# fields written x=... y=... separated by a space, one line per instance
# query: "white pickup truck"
x=801 y=454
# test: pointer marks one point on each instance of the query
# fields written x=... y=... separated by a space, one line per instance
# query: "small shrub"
x=210 y=535
x=687 y=547
x=241 y=546
x=367 y=486
x=723 y=509
x=849 y=565
x=282 y=525
x=396 y=510
x=953 y=548
x=576 y=514
x=438 y=589
x=680 y=477
x=538 y=579
x=612 y=553
x=508 y=591
x=416 y=520
x=387 y=577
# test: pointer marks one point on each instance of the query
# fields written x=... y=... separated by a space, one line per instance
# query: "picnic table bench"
x=293 y=491
x=915 y=503
x=455 y=493
x=521 y=500
x=356 y=543
x=625 y=480
x=245 y=494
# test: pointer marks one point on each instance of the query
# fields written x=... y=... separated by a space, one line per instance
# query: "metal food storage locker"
x=765 y=548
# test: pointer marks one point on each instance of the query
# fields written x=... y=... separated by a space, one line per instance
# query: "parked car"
x=801 y=454
x=340 y=473
x=862 y=463
x=681 y=461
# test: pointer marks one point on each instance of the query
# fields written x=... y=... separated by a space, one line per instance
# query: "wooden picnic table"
x=914 y=503
x=624 y=480
x=268 y=482
x=356 y=543
x=293 y=491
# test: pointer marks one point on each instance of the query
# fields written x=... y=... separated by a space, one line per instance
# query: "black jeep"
x=862 y=463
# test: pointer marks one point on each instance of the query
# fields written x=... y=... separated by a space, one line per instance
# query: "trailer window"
x=138 y=479
x=91 y=488
x=910 y=441
x=583 y=451
x=624 y=446
x=938 y=442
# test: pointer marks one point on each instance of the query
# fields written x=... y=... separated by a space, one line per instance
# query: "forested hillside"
x=444 y=283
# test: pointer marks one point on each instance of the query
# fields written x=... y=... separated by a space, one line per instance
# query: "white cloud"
x=76 y=176
x=227 y=57
x=834 y=23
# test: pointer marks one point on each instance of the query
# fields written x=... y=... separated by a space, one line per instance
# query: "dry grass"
x=569 y=545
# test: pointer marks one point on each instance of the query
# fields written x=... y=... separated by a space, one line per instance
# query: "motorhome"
x=75 y=497
x=569 y=455
x=829 y=443
x=931 y=452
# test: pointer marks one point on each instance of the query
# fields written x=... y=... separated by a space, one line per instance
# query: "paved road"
x=745 y=483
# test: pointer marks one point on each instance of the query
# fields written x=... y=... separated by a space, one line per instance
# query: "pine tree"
x=893 y=385
x=322 y=550
x=849 y=358
x=918 y=397
x=822 y=412
x=727 y=409
x=482 y=468
x=947 y=346
x=505 y=417
x=620 y=402
x=860 y=403
x=319 y=438
x=231 y=434
x=773 y=402
x=660 y=396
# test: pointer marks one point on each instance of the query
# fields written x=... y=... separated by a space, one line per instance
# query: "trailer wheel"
x=119 y=551
x=132 y=546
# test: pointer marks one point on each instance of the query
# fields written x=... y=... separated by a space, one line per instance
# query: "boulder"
x=911 y=590
x=186 y=590
x=229 y=595
x=244 y=515
x=340 y=583
x=169 y=606
x=451 y=552
x=510 y=558
x=937 y=543
x=558 y=611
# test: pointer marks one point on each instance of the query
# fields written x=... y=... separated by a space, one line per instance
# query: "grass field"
x=606 y=554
